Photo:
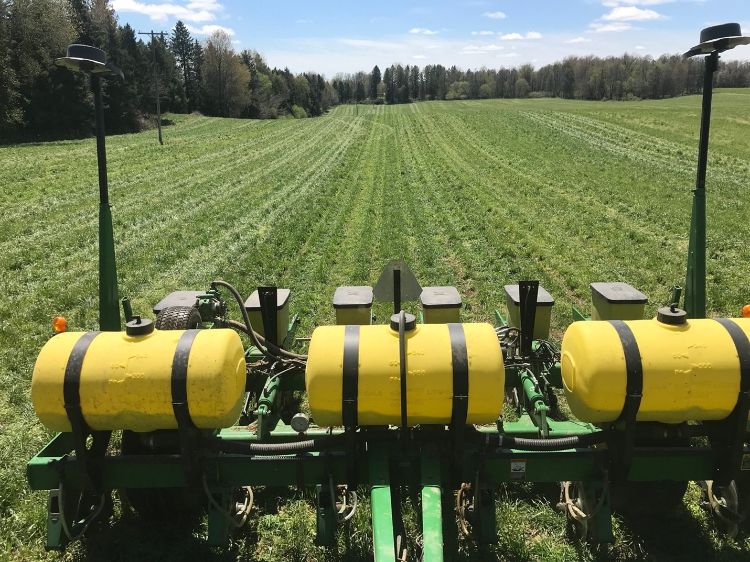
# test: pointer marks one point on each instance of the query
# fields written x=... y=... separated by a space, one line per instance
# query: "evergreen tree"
x=374 y=82
x=196 y=64
x=80 y=11
x=360 y=92
x=182 y=47
x=390 y=90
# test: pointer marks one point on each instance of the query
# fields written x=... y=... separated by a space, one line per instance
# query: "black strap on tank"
x=87 y=457
x=350 y=377
x=179 y=379
x=460 y=362
x=633 y=370
x=349 y=394
x=460 y=406
x=742 y=344
x=622 y=443
x=72 y=384
x=731 y=432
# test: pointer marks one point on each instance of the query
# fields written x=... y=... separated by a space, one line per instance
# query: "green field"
x=475 y=194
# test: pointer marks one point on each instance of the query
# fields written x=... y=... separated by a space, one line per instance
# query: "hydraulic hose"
x=554 y=444
x=275 y=449
x=269 y=350
x=242 y=328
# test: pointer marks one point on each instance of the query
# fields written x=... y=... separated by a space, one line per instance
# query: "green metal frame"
x=429 y=453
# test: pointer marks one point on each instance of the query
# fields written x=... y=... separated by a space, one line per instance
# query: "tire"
x=179 y=318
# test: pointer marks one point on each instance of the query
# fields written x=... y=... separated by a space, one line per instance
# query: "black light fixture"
x=719 y=38
x=89 y=60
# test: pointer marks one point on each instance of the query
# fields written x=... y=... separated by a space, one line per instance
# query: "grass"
x=474 y=194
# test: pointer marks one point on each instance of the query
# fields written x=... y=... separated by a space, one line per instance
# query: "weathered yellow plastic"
x=126 y=381
x=429 y=376
x=690 y=371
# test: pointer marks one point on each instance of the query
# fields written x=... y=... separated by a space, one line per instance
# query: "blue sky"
x=329 y=37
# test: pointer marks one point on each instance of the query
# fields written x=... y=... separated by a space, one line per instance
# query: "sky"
x=330 y=37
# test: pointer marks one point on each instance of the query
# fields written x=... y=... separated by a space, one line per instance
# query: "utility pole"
x=156 y=77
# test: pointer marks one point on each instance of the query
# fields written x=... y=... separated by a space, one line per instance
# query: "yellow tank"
x=690 y=371
x=429 y=378
x=125 y=381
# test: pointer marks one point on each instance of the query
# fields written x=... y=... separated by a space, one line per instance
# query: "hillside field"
x=474 y=194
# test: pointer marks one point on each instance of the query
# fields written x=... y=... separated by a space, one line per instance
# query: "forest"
x=40 y=101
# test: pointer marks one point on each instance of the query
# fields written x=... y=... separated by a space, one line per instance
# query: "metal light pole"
x=92 y=61
x=714 y=40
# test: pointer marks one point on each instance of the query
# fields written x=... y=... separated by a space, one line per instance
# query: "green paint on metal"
x=268 y=415
x=325 y=528
x=55 y=538
x=218 y=519
x=578 y=315
x=432 y=521
x=695 y=285
x=600 y=525
x=109 y=309
x=381 y=506
x=500 y=319
x=537 y=407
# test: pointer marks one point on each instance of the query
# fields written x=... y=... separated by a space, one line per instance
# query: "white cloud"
x=195 y=11
x=578 y=40
x=495 y=15
x=422 y=31
x=518 y=36
x=631 y=13
x=370 y=44
x=613 y=3
x=640 y=48
x=610 y=27
x=209 y=29
x=419 y=57
x=483 y=32
x=481 y=49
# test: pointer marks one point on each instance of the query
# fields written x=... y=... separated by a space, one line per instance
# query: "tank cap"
x=671 y=315
x=139 y=326
x=410 y=321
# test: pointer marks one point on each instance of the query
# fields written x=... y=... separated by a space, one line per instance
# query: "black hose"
x=269 y=350
x=242 y=328
x=275 y=449
x=553 y=444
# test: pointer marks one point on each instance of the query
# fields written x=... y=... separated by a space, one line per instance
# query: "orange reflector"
x=746 y=311
x=59 y=324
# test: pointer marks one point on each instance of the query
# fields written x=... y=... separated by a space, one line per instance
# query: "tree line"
x=588 y=78
x=40 y=100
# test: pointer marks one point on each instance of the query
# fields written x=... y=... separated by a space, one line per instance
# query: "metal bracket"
x=56 y=539
x=325 y=527
x=267 y=297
